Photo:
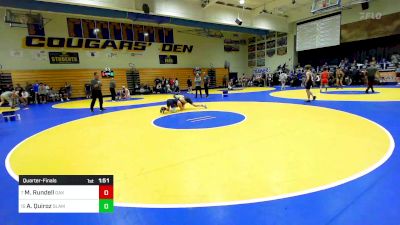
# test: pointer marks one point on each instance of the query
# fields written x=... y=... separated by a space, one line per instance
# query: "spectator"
x=125 y=93
x=53 y=95
x=168 y=88
x=87 y=90
x=398 y=74
x=176 y=84
x=158 y=88
x=42 y=93
x=373 y=62
x=197 y=83
x=112 y=89
x=62 y=94
x=282 y=78
x=24 y=99
x=206 y=82
x=68 y=89
x=36 y=91
x=189 y=84
x=230 y=85
x=224 y=84
x=164 y=85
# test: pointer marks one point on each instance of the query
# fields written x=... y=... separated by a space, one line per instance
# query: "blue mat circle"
x=199 y=120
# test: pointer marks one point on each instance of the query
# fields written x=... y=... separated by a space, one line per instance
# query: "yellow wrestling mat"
x=135 y=100
x=347 y=94
x=279 y=150
x=8 y=109
x=244 y=90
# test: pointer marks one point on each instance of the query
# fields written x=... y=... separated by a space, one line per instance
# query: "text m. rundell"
x=64 y=57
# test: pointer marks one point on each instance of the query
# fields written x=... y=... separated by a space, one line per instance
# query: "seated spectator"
x=176 y=84
x=158 y=88
x=125 y=94
x=23 y=99
x=53 y=95
x=230 y=85
x=62 y=93
x=168 y=88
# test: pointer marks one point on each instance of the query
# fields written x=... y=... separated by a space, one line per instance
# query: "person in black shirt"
x=87 y=90
x=206 y=82
x=189 y=84
x=96 y=92
x=371 y=72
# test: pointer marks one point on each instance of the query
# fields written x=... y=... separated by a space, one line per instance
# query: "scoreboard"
x=66 y=194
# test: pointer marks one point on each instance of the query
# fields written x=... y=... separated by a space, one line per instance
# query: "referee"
x=96 y=92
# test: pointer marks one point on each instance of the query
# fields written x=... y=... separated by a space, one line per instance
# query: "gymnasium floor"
x=258 y=156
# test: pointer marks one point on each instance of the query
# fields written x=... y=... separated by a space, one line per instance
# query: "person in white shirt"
x=283 y=78
x=176 y=84
x=24 y=98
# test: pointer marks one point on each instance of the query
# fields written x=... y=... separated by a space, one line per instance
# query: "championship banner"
x=168 y=59
x=64 y=57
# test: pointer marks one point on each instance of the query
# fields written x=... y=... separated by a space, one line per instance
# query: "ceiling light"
x=241 y=2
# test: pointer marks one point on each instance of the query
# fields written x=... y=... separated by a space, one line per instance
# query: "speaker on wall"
x=146 y=8
x=238 y=21
x=365 y=5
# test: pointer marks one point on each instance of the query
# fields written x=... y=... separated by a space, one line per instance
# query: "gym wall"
x=206 y=51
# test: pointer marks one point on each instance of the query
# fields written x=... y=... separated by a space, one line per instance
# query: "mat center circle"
x=199 y=120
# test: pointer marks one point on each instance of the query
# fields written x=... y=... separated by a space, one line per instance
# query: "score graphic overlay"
x=66 y=194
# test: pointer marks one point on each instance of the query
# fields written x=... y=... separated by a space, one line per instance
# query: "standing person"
x=189 y=84
x=164 y=85
x=308 y=83
x=224 y=82
x=371 y=73
x=42 y=93
x=324 y=80
x=177 y=90
x=282 y=78
x=87 y=90
x=339 y=78
x=96 y=92
x=36 y=91
x=398 y=75
x=206 y=81
x=197 y=83
x=68 y=88
x=113 y=85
